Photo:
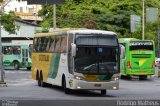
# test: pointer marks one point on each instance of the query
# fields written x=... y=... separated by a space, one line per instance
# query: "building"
x=28 y=24
x=21 y=8
x=24 y=34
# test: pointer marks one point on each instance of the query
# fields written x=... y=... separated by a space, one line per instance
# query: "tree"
x=8 y=22
x=113 y=15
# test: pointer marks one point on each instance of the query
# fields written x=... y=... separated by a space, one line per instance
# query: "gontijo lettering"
x=43 y=57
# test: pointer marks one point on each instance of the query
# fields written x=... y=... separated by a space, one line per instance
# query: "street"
x=21 y=86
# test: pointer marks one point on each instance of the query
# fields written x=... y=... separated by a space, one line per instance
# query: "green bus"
x=17 y=55
x=137 y=57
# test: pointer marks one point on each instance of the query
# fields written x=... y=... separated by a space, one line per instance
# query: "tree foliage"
x=113 y=15
x=8 y=22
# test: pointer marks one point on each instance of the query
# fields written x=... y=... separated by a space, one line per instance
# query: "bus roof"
x=123 y=40
x=127 y=39
x=74 y=31
x=14 y=44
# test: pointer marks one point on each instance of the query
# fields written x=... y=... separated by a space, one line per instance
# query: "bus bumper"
x=80 y=84
x=138 y=72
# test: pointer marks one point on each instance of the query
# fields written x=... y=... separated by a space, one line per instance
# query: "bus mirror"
x=119 y=49
x=73 y=48
x=122 y=51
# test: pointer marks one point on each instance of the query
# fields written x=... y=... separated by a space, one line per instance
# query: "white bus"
x=77 y=59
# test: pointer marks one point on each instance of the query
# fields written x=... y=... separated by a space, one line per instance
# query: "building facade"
x=24 y=34
x=28 y=24
x=22 y=9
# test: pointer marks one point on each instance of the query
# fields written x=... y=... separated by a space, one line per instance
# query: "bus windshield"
x=96 y=53
x=141 y=45
x=95 y=60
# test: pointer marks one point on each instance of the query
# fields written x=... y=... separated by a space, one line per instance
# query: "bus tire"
x=143 y=77
x=38 y=79
x=28 y=68
x=66 y=90
x=103 y=92
x=43 y=84
x=16 y=65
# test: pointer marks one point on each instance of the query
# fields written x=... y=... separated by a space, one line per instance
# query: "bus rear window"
x=141 y=45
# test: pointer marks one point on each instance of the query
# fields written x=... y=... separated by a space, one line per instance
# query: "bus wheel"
x=143 y=77
x=28 y=68
x=38 y=79
x=66 y=90
x=16 y=65
x=43 y=84
x=103 y=92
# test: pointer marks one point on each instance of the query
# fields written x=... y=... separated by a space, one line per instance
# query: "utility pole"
x=158 y=36
x=2 y=83
x=54 y=16
x=1 y=56
x=142 y=19
x=158 y=33
x=53 y=2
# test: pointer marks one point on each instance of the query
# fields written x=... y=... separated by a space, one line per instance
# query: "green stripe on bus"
x=53 y=70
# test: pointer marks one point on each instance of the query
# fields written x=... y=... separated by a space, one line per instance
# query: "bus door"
x=25 y=56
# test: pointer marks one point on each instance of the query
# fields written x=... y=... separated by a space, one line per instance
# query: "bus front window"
x=95 y=60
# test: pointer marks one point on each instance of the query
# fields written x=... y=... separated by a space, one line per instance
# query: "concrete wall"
x=26 y=30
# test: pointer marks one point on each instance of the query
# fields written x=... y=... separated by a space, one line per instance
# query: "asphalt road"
x=20 y=86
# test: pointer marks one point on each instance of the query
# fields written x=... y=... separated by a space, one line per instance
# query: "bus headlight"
x=115 y=78
x=79 y=77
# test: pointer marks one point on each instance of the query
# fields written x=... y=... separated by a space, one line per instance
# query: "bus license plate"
x=97 y=85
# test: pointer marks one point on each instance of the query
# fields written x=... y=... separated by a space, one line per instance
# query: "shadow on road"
x=135 y=78
x=82 y=93
x=12 y=69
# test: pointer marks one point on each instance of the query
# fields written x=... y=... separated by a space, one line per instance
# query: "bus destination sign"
x=141 y=43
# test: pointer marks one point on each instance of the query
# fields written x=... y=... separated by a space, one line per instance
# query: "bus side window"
x=41 y=45
x=48 y=44
x=4 y=50
x=64 y=44
x=58 y=45
x=52 y=44
x=9 y=50
x=44 y=43
x=34 y=44
x=16 y=50
x=37 y=44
